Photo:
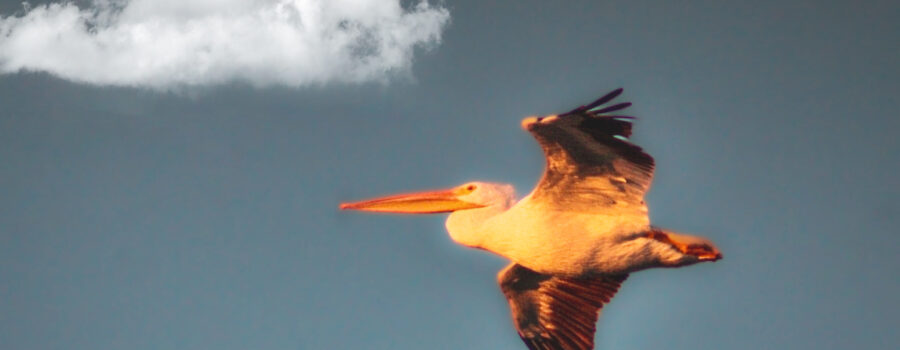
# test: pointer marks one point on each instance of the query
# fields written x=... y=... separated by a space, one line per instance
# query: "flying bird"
x=575 y=238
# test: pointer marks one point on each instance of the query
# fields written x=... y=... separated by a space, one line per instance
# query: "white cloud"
x=175 y=43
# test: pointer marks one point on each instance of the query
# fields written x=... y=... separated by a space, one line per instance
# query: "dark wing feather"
x=590 y=161
x=556 y=313
x=613 y=108
x=603 y=99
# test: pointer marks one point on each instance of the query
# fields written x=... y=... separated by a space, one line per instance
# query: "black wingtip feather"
x=607 y=126
x=620 y=117
x=613 y=108
x=603 y=99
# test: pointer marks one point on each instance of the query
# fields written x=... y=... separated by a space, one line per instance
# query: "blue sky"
x=158 y=213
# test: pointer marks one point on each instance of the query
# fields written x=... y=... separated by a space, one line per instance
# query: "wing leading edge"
x=590 y=161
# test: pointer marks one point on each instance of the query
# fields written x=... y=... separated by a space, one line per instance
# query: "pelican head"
x=470 y=195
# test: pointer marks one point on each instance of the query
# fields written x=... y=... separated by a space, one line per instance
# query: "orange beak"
x=430 y=202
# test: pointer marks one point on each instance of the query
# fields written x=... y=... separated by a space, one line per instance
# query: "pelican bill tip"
x=345 y=206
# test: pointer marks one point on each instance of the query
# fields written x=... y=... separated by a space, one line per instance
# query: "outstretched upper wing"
x=590 y=161
x=556 y=313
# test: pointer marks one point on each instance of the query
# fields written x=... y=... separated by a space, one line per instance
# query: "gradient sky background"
x=138 y=219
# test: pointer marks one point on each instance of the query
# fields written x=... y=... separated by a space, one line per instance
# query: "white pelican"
x=576 y=237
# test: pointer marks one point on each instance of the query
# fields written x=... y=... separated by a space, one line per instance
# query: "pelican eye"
x=470 y=188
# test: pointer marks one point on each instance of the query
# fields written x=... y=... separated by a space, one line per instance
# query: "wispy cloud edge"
x=165 y=44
